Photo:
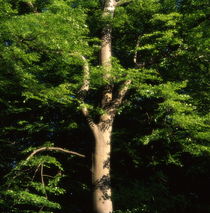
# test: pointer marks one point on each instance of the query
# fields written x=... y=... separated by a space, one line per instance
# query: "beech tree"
x=98 y=59
x=73 y=48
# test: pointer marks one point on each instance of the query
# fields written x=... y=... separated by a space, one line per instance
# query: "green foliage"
x=39 y=46
x=29 y=185
x=6 y=9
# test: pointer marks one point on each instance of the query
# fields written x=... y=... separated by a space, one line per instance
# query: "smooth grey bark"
x=102 y=202
x=102 y=130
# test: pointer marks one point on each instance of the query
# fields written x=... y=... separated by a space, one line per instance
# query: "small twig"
x=53 y=149
x=136 y=51
x=37 y=168
x=42 y=179
x=47 y=176
x=40 y=210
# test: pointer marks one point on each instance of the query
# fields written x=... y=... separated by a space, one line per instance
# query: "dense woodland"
x=104 y=106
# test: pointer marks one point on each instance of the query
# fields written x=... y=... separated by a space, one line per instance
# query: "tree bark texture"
x=102 y=202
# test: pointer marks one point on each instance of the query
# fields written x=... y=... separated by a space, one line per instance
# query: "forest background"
x=52 y=74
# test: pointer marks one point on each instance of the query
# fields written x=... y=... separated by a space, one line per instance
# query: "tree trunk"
x=101 y=168
x=102 y=131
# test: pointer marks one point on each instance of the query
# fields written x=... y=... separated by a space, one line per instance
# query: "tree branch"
x=53 y=149
x=121 y=2
x=139 y=65
x=86 y=75
x=85 y=88
x=121 y=94
x=107 y=118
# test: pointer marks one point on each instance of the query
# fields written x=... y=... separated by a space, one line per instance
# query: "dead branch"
x=53 y=149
